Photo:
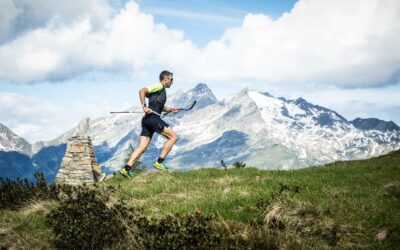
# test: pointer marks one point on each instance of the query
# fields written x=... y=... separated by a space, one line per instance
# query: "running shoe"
x=160 y=166
x=124 y=172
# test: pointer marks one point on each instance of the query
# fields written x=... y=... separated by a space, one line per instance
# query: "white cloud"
x=8 y=14
x=129 y=41
x=339 y=43
x=22 y=106
x=18 y=16
x=37 y=119
x=26 y=116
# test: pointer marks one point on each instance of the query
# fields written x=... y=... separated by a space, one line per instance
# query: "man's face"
x=168 y=81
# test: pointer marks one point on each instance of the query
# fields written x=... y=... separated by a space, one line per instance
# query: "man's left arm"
x=169 y=110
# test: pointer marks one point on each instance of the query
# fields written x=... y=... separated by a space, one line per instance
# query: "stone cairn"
x=79 y=159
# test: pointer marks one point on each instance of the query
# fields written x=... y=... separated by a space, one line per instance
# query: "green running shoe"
x=160 y=166
x=125 y=173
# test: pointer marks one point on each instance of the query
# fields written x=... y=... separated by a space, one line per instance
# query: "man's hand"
x=175 y=110
x=170 y=110
x=147 y=110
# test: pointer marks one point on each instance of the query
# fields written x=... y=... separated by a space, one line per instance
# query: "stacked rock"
x=78 y=162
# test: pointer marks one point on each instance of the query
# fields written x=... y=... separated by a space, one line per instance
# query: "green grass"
x=360 y=198
x=26 y=229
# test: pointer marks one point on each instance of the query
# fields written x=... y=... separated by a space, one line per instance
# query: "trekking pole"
x=126 y=112
x=194 y=103
x=132 y=112
x=185 y=109
x=141 y=112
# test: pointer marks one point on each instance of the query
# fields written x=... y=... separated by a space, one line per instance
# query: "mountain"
x=375 y=124
x=14 y=155
x=256 y=128
x=12 y=142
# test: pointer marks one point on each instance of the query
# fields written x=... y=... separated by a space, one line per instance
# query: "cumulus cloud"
x=19 y=16
x=342 y=43
x=37 y=119
x=26 y=116
x=127 y=42
x=8 y=14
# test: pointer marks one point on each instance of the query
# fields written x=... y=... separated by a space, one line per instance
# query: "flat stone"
x=77 y=149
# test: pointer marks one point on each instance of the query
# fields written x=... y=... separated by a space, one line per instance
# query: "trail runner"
x=152 y=122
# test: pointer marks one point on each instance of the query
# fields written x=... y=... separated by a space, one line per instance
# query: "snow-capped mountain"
x=12 y=142
x=317 y=135
x=14 y=154
x=257 y=128
x=374 y=124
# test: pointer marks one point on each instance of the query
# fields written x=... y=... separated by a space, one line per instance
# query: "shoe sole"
x=159 y=168
x=124 y=175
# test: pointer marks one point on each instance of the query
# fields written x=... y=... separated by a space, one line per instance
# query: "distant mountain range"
x=257 y=128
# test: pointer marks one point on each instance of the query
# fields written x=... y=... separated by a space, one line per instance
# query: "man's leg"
x=143 y=144
x=171 y=139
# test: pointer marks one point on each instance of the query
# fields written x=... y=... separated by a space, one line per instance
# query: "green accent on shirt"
x=154 y=88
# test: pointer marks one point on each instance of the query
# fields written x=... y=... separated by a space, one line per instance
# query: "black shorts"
x=152 y=123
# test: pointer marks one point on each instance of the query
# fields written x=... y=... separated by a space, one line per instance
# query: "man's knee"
x=173 y=137
x=169 y=134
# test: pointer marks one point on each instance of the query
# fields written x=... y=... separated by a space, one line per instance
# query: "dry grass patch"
x=244 y=194
x=9 y=239
x=227 y=180
x=36 y=207
x=293 y=217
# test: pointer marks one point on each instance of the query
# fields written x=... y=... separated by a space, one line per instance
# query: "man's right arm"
x=148 y=90
x=142 y=96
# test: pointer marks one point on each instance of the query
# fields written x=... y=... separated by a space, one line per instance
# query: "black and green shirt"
x=157 y=97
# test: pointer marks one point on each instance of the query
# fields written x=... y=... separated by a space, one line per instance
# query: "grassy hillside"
x=354 y=204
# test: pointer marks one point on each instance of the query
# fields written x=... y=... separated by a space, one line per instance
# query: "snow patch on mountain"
x=9 y=142
x=317 y=135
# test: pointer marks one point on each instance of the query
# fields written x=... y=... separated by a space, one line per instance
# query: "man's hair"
x=164 y=74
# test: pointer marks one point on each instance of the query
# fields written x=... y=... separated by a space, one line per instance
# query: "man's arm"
x=142 y=97
x=168 y=109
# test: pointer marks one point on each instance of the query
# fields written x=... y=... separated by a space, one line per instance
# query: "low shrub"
x=191 y=231
x=85 y=219
x=14 y=194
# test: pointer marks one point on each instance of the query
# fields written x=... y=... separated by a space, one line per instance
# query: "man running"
x=152 y=122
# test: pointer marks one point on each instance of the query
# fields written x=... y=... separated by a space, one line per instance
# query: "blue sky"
x=63 y=61
x=205 y=20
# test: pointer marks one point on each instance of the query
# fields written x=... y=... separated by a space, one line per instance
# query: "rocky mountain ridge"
x=258 y=128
